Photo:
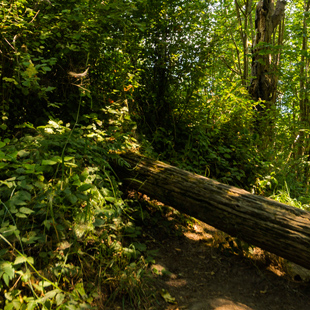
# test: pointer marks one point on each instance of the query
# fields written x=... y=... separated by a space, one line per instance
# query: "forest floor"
x=199 y=268
x=200 y=277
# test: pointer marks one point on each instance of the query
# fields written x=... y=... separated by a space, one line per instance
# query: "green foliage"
x=62 y=215
x=284 y=196
x=63 y=220
x=170 y=59
x=45 y=44
x=215 y=144
x=179 y=70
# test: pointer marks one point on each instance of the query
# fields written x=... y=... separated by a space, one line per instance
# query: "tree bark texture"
x=264 y=76
x=273 y=226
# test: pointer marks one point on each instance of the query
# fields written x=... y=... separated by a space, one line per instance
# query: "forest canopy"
x=219 y=88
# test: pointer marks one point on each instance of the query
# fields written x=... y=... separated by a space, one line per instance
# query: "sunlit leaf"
x=23 y=259
x=26 y=210
x=167 y=297
x=47 y=162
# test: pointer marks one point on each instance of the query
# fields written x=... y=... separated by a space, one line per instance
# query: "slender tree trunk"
x=264 y=70
x=303 y=146
x=244 y=17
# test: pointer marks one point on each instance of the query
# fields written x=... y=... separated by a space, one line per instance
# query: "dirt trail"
x=197 y=276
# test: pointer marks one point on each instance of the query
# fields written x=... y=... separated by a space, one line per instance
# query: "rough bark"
x=263 y=222
x=264 y=77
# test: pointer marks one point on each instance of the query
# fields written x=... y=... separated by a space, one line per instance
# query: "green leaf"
x=80 y=289
x=47 y=162
x=21 y=215
x=23 y=259
x=99 y=222
x=140 y=246
x=23 y=153
x=58 y=159
x=73 y=165
x=10 y=80
x=60 y=298
x=31 y=71
x=23 y=184
x=20 y=198
x=167 y=297
x=3 y=165
x=72 y=198
x=67 y=158
x=46 y=68
x=48 y=224
x=30 y=168
x=26 y=276
x=26 y=210
x=32 y=305
x=3 y=252
x=9 y=182
x=38 y=287
x=6 y=279
x=20 y=260
x=23 y=195
x=45 y=283
x=49 y=88
x=8 y=231
x=8 y=270
x=85 y=187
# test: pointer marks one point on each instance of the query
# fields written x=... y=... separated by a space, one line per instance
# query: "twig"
x=9 y=43
x=79 y=75
x=34 y=17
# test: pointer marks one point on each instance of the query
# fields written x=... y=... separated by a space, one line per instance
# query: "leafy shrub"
x=63 y=220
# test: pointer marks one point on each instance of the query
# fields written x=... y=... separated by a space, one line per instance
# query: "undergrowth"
x=68 y=238
x=66 y=235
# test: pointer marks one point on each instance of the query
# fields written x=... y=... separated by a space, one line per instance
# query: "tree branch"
x=229 y=67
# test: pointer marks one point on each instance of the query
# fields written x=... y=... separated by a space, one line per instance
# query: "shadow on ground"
x=193 y=273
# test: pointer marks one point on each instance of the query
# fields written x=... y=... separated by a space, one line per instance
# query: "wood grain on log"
x=273 y=226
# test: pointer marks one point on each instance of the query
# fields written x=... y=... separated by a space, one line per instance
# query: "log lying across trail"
x=273 y=226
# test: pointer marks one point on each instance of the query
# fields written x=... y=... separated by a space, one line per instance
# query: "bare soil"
x=198 y=267
x=195 y=273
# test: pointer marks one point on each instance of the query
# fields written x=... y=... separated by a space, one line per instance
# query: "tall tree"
x=304 y=83
x=173 y=54
x=269 y=33
x=244 y=16
x=304 y=116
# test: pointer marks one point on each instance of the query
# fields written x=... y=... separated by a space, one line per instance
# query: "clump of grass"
x=284 y=196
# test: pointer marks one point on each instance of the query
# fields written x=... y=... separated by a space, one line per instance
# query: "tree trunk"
x=264 y=66
x=245 y=25
x=304 y=116
x=263 y=222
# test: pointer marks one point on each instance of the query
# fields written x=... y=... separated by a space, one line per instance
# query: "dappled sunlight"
x=218 y=304
x=199 y=233
x=197 y=274
x=226 y=304
x=127 y=128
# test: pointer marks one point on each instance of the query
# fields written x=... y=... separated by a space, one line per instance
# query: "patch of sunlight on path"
x=218 y=304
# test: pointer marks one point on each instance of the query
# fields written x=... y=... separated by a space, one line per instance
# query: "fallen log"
x=263 y=222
